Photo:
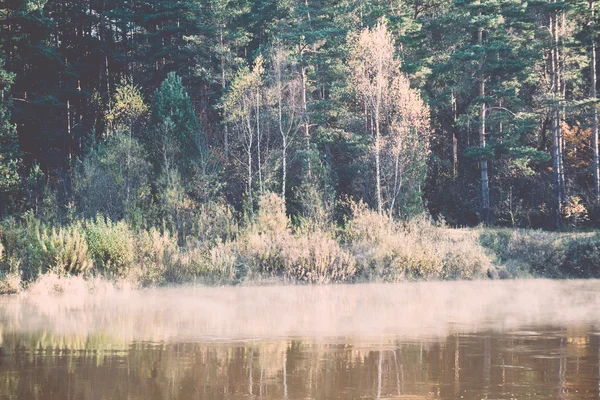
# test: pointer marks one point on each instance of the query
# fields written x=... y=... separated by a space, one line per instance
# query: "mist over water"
x=534 y=339
x=429 y=310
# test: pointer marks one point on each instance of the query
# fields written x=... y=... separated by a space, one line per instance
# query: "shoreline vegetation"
x=241 y=142
x=366 y=247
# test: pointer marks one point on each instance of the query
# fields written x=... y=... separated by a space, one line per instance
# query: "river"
x=522 y=339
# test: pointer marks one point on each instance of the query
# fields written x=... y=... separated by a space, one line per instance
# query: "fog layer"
x=409 y=310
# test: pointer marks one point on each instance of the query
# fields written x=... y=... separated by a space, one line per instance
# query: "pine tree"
x=9 y=147
x=172 y=102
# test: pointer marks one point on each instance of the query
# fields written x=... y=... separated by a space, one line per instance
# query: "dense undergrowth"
x=368 y=247
x=538 y=253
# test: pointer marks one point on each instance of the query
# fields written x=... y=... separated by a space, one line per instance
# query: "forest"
x=226 y=131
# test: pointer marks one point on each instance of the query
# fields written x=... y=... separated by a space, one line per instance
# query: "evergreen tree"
x=9 y=148
x=171 y=102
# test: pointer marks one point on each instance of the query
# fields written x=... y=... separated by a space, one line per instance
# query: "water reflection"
x=541 y=364
x=107 y=348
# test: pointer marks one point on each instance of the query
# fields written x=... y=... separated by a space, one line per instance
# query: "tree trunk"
x=305 y=117
x=563 y=108
x=283 y=167
x=378 y=161
x=485 y=189
x=260 y=180
x=223 y=85
x=250 y=177
x=556 y=132
x=454 y=138
x=594 y=93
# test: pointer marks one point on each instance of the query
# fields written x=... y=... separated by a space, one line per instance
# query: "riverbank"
x=366 y=248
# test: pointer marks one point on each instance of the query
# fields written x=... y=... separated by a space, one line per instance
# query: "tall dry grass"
x=387 y=250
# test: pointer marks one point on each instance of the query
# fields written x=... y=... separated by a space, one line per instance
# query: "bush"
x=582 y=259
x=65 y=250
x=157 y=255
x=523 y=251
x=215 y=224
x=220 y=264
x=271 y=217
x=35 y=249
x=113 y=180
x=312 y=257
x=111 y=245
x=271 y=249
x=317 y=258
x=10 y=283
x=390 y=251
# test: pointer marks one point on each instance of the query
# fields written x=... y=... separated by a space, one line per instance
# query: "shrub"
x=157 y=254
x=390 y=251
x=263 y=253
x=35 y=249
x=10 y=283
x=65 y=250
x=110 y=244
x=582 y=258
x=317 y=258
x=215 y=224
x=537 y=252
x=312 y=258
x=220 y=264
x=271 y=217
x=271 y=249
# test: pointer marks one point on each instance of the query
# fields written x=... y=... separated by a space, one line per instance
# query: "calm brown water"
x=471 y=340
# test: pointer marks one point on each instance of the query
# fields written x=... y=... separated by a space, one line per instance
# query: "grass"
x=367 y=248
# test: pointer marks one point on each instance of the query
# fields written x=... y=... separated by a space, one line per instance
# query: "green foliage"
x=171 y=102
x=114 y=179
x=127 y=107
x=527 y=252
x=32 y=248
x=271 y=217
x=66 y=250
x=181 y=177
x=582 y=258
x=10 y=156
x=111 y=245
x=215 y=223
x=157 y=258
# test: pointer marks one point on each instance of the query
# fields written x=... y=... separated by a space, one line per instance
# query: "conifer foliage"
x=477 y=112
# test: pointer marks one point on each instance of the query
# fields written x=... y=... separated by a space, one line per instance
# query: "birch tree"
x=373 y=67
x=400 y=117
x=242 y=112
x=594 y=96
x=287 y=89
x=406 y=148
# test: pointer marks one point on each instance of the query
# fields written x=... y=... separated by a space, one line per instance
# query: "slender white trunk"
x=594 y=93
x=305 y=118
x=249 y=143
x=485 y=189
x=378 y=161
x=223 y=85
x=454 y=138
x=556 y=119
x=249 y=152
x=258 y=137
x=563 y=108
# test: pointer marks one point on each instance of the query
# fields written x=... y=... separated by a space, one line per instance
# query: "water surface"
x=532 y=339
